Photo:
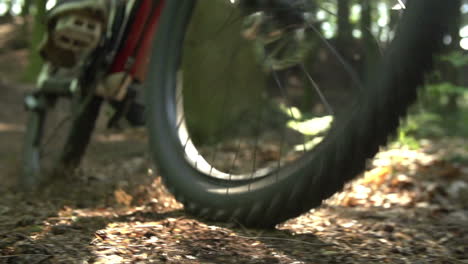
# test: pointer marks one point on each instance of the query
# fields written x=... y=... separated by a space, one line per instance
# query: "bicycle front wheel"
x=257 y=113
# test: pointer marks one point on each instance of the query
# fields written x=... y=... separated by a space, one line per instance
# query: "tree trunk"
x=345 y=35
x=25 y=11
x=35 y=61
x=7 y=17
x=452 y=72
x=370 y=45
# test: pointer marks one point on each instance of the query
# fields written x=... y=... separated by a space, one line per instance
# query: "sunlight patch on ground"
x=5 y=30
x=111 y=138
x=183 y=240
x=403 y=189
x=291 y=111
x=312 y=126
x=399 y=178
x=391 y=181
x=309 y=145
x=4 y=127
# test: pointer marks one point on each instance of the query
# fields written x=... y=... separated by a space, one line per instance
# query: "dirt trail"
x=12 y=120
x=411 y=208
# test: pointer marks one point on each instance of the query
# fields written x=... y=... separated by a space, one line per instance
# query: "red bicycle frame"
x=133 y=56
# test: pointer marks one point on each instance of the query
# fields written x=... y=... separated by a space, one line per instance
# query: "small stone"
x=388 y=228
x=26 y=221
x=59 y=229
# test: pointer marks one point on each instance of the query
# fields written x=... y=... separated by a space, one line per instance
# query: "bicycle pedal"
x=77 y=33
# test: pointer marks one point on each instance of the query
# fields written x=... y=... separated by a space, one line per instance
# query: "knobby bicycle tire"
x=339 y=158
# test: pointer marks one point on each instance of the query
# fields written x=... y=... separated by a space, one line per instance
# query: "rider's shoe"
x=130 y=108
x=74 y=28
x=135 y=113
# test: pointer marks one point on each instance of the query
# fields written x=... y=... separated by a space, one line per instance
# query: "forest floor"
x=410 y=207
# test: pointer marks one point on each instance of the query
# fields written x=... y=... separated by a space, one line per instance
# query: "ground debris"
x=409 y=207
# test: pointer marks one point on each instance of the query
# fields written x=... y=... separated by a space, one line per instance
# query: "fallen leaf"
x=450 y=172
x=377 y=176
x=122 y=197
x=402 y=181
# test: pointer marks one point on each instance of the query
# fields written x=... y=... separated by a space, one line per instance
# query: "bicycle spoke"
x=56 y=130
x=318 y=91
x=402 y=4
x=222 y=118
x=284 y=94
x=238 y=141
x=352 y=73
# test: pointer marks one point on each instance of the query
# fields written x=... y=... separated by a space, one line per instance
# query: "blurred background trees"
x=28 y=17
x=361 y=27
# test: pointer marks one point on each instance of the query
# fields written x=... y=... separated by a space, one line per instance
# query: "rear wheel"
x=57 y=134
x=256 y=116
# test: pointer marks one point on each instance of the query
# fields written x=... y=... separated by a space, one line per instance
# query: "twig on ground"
x=290 y=240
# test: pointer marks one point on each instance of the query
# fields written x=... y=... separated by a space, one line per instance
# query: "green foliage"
x=430 y=118
x=420 y=125
x=456 y=58
x=445 y=88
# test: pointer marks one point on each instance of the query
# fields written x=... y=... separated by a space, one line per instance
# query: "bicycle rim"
x=243 y=111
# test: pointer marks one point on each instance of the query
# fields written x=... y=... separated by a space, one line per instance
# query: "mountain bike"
x=64 y=108
x=255 y=115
